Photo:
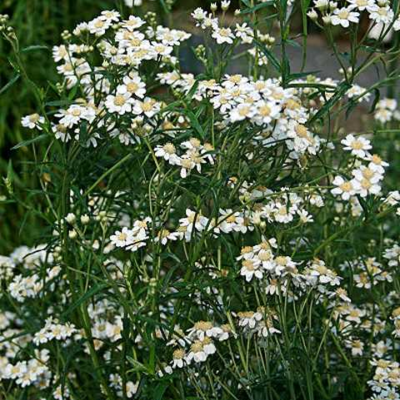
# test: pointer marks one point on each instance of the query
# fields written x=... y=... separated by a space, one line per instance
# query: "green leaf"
x=58 y=103
x=160 y=390
x=95 y=289
x=30 y=141
x=271 y=57
x=34 y=47
x=250 y=9
x=376 y=99
x=293 y=43
x=342 y=89
x=195 y=123
x=137 y=366
x=10 y=83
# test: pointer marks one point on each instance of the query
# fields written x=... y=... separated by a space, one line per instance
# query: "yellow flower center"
x=357 y=145
x=119 y=100
x=346 y=186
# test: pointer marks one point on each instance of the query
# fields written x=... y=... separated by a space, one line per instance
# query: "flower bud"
x=70 y=218
x=72 y=234
x=85 y=219
x=312 y=14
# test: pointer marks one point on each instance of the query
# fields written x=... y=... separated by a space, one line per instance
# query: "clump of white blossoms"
x=216 y=235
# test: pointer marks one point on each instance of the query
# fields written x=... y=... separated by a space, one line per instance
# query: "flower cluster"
x=379 y=12
x=218 y=235
x=196 y=154
x=366 y=178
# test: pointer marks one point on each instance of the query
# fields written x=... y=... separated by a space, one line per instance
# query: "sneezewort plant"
x=208 y=237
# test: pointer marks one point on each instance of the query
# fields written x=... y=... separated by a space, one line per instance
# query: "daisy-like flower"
x=133 y=23
x=131 y=389
x=244 y=32
x=62 y=53
x=165 y=235
x=321 y=4
x=249 y=319
x=362 y=5
x=203 y=329
x=122 y=238
x=32 y=121
x=343 y=16
x=223 y=35
x=358 y=146
x=267 y=328
x=365 y=185
x=345 y=189
x=178 y=358
x=241 y=112
x=356 y=346
x=230 y=221
x=383 y=15
x=133 y=85
x=197 y=353
x=149 y=107
x=168 y=153
x=191 y=144
x=110 y=15
x=186 y=164
x=61 y=132
x=120 y=103
x=193 y=220
x=377 y=164
x=265 y=112
x=99 y=26
x=161 y=49
x=367 y=173
x=250 y=269
x=199 y=14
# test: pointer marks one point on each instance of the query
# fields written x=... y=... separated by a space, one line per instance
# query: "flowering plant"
x=210 y=236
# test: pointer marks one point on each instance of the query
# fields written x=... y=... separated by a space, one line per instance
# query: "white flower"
x=148 y=107
x=396 y=25
x=186 y=164
x=110 y=15
x=199 y=14
x=345 y=189
x=122 y=238
x=33 y=121
x=343 y=16
x=60 y=132
x=321 y=4
x=223 y=35
x=244 y=32
x=62 y=53
x=131 y=389
x=165 y=235
x=120 y=103
x=168 y=152
x=366 y=186
x=265 y=112
x=241 y=112
x=134 y=86
x=99 y=26
x=366 y=173
x=178 y=360
x=133 y=23
x=200 y=350
x=362 y=5
x=383 y=15
x=358 y=146
x=250 y=269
